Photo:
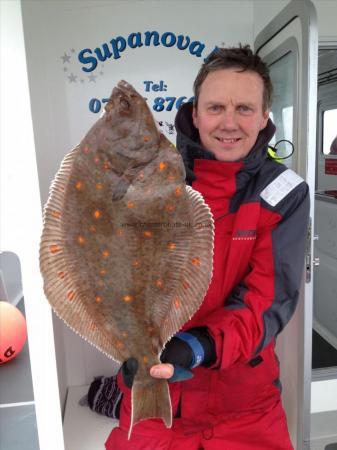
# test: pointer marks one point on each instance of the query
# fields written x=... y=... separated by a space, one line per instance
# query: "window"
x=330 y=132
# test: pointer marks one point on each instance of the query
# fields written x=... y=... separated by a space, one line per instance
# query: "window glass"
x=330 y=132
x=282 y=74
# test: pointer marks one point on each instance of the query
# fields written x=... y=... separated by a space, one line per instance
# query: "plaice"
x=126 y=250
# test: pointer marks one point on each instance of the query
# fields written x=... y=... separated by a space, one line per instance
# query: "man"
x=260 y=209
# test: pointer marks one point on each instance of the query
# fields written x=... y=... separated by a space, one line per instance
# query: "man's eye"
x=214 y=108
x=244 y=108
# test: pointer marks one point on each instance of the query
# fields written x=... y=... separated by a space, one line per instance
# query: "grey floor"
x=18 y=430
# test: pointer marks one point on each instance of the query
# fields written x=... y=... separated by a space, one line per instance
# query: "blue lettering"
x=165 y=37
x=107 y=53
x=196 y=48
x=95 y=105
x=147 y=85
x=118 y=46
x=148 y=35
x=87 y=60
x=135 y=40
x=180 y=41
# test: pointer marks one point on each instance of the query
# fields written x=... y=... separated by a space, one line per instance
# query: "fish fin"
x=150 y=400
x=120 y=190
x=197 y=270
x=64 y=288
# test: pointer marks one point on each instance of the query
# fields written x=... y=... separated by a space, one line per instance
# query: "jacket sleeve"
x=265 y=300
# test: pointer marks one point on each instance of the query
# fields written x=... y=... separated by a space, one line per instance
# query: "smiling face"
x=229 y=114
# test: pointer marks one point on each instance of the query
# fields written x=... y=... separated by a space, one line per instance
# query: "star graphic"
x=65 y=58
x=92 y=77
x=72 y=78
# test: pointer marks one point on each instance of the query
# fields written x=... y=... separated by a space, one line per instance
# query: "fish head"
x=129 y=116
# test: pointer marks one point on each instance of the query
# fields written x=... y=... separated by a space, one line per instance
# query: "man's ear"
x=195 y=117
x=265 y=118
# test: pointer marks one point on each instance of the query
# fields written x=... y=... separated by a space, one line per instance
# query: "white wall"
x=21 y=222
x=326 y=16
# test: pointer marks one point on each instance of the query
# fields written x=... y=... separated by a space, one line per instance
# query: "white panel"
x=264 y=10
x=324 y=397
x=21 y=222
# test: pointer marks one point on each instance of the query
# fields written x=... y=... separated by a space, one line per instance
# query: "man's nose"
x=228 y=120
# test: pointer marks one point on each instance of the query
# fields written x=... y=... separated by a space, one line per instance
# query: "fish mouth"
x=123 y=87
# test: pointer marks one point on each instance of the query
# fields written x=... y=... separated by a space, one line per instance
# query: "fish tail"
x=151 y=401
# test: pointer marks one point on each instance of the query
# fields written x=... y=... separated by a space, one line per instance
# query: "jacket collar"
x=190 y=148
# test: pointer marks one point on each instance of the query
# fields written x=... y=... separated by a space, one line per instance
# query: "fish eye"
x=124 y=103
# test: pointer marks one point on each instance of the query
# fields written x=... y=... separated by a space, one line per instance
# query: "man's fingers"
x=162 y=371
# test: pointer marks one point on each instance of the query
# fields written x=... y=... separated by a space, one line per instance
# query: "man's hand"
x=162 y=371
x=183 y=352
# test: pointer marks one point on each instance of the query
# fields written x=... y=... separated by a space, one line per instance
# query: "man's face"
x=229 y=115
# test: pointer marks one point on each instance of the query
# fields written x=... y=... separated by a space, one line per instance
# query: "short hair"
x=241 y=58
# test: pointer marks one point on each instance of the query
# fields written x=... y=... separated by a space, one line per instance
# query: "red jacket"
x=261 y=211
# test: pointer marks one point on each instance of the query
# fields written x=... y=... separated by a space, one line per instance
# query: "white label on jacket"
x=280 y=187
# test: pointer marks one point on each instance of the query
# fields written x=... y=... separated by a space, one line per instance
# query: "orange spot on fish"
x=177 y=303
x=97 y=214
x=124 y=334
x=130 y=204
x=162 y=165
x=70 y=295
x=79 y=185
x=136 y=263
x=98 y=299
x=105 y=253
x=171 y=246
x=120 y=345
x=97 y=160
x=120 y=232
x=54 y=248
x=99 y=186
x=103 y=272
x=127 y=298
x=178 y=191
x=92 y=228
x=170 y=207
x=195 y=261
x=147 y=233
x=171 y=178
x=159 y=284
x=86 y=149
x=145 y=359
x=56 y=214
x=186 y=285
x=80 y=240
x=101 y=283
x=61 y=275
x=146 y=138
x=106 y=165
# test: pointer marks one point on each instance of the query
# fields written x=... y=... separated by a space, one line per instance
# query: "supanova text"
x=113 y=49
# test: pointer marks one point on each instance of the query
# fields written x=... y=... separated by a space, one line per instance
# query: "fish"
x=126 y=250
